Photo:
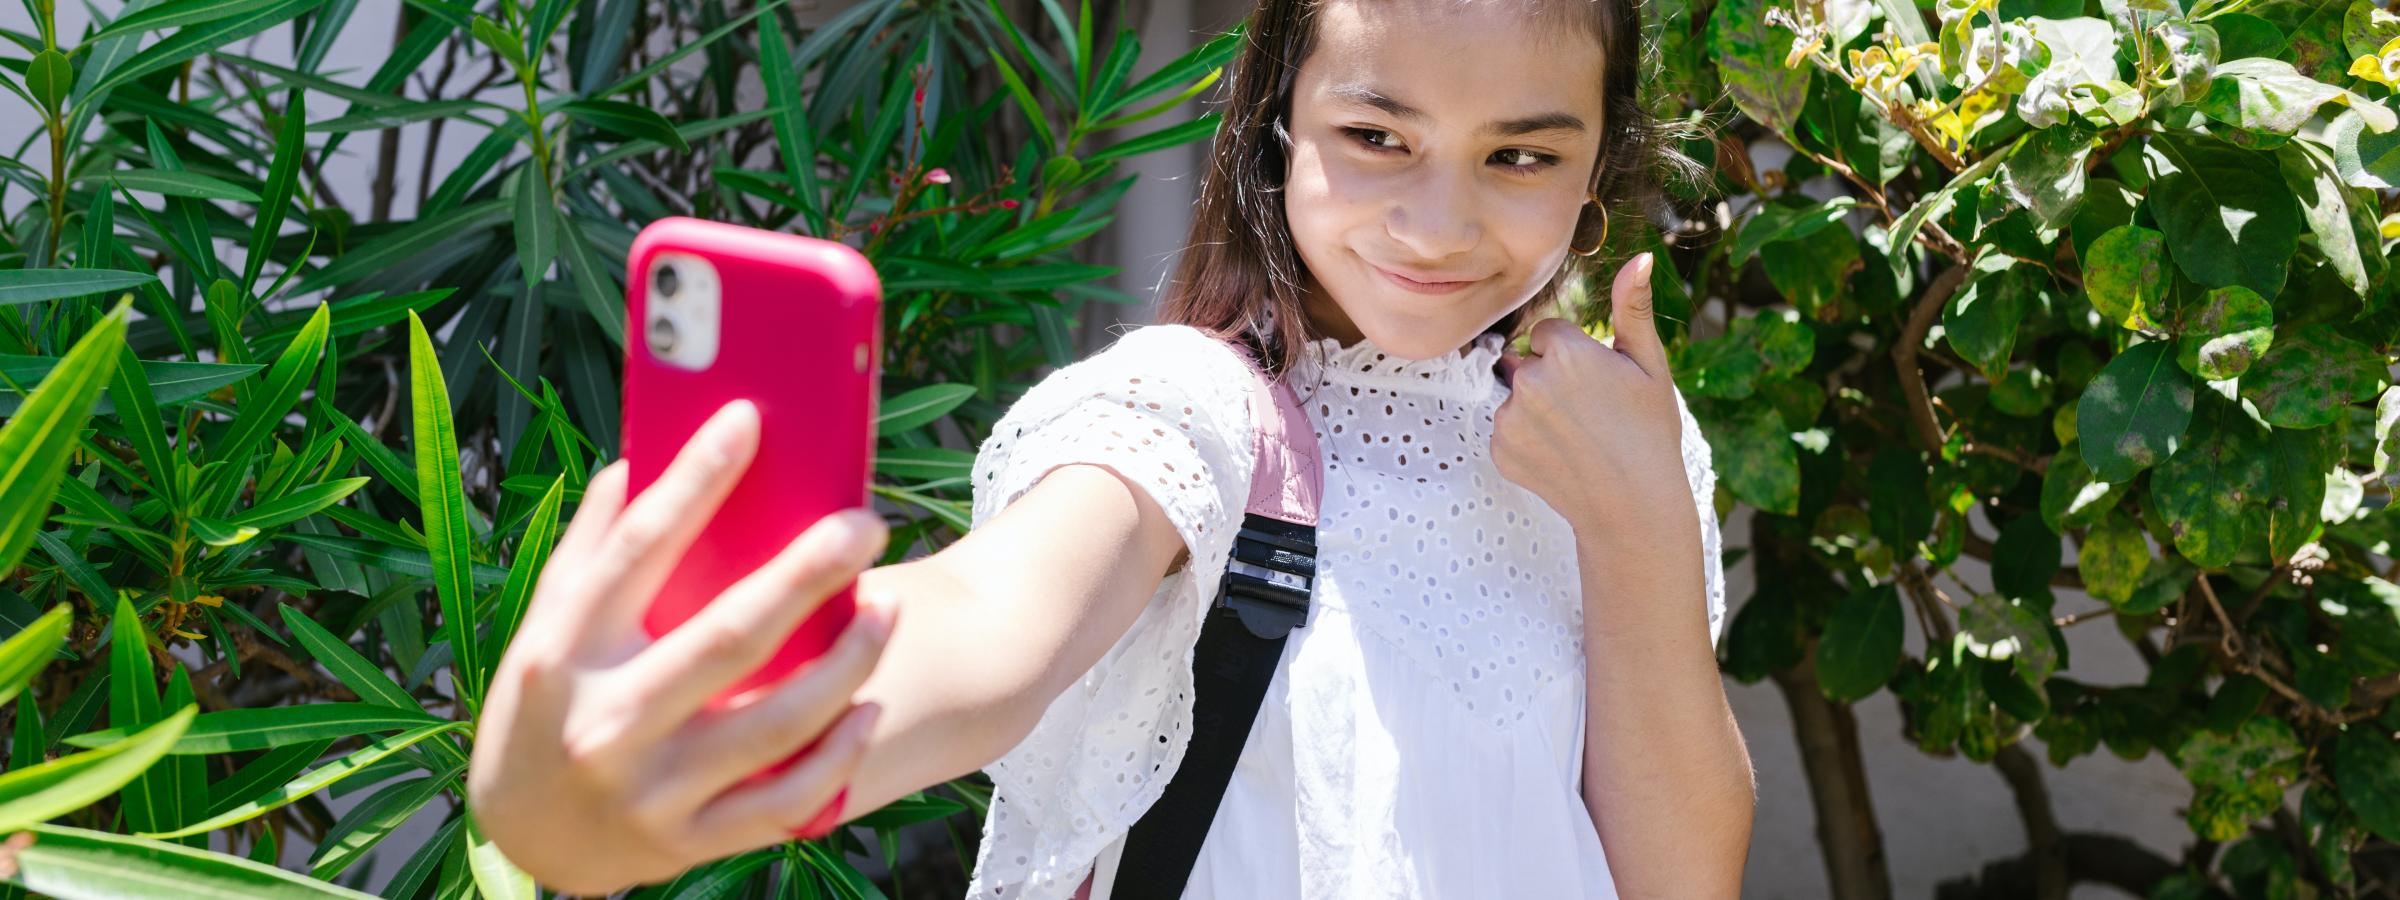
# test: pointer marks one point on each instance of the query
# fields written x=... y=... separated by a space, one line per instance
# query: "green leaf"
x=2365 y=158
x=2025 y=557
x=495 y=876
x=919 y=407
x=1982 y=318
x=363 y=678
x=1170 y=136
x=290 y=376
x=2125 y=275
x=38 y=794
x=316 y=779
x=1749 y=53
x=510 y=47
x=2237 y=779
x=2048 y=176
x=2227 y=218
x=2311 y=376
x=27 y=651
x=37 y=285
x=297 y=505
x=2206 y=490
x=233 y=730
x=1786 y=222
x=2011 y=629
x=2133 y=412
x=2366 y=765
x=188 y=42
x=178 y=14
x=2113 y=558
x=793 y=139
x=627 y=119
x=74 y=862
x=399 y=114
x=533 y=551
x=2228 y=331
x=537 y=225
x=1904 y=229
x=2314 y=180
x=175 y=184
x=2297 y=463
x=442 y=494
x=1861 y=645
x=2269 y=95
x=593 y=281
x=48 y=78
x=35 y=443
x=291 y=144
x=1756 y=456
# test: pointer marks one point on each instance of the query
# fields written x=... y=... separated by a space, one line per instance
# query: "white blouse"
x=1423 y=736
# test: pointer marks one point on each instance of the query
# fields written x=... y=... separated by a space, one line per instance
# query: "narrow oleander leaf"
x=442 y=497
x=316 y=779
x=37 y=285
x=262 y=728
x=31 y=796
x=36 y=442
x=74 y=862
x=25 y=653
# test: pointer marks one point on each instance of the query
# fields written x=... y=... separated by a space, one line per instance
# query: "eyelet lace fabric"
x=1423 y=734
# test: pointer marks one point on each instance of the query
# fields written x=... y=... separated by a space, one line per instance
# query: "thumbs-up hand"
x=1592 y=429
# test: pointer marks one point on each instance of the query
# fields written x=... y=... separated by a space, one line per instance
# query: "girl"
x=1507 y=685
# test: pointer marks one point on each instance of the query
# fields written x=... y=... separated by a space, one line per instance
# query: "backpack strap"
x=1265 y=594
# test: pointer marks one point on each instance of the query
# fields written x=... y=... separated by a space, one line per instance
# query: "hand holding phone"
x=596 y=764
x=648 y=717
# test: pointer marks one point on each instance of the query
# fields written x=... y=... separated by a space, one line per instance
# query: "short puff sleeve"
x=1167 y=407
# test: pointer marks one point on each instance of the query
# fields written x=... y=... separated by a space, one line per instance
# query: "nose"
x=1437 y=217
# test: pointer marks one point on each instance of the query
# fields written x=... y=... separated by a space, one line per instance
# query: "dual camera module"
x=681 y=315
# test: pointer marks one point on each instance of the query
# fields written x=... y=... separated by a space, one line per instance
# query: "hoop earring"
x=1599 y=242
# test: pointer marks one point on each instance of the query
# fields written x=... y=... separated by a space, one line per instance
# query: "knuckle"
x=640 y=532
x=726 y=646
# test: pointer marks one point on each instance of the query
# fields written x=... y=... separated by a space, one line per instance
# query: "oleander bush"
x=278 y=468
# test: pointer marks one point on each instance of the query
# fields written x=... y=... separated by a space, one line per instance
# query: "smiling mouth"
x=1423 y=287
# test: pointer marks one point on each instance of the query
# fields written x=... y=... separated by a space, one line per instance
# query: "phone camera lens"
x=665 y=281
x=662 y=336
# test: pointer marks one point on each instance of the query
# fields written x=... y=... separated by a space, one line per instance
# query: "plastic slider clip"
x=1269 y=579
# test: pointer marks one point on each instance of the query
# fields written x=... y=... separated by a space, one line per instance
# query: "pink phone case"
x=799 y=337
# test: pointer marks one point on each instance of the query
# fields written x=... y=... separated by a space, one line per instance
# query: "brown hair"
x=1240 y=262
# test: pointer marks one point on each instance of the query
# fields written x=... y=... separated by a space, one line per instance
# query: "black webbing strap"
x=1263 y=597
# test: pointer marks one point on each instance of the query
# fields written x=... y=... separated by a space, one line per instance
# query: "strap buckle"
x=1270 y=577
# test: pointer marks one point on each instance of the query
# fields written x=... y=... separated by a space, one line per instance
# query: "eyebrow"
x=1534 y=124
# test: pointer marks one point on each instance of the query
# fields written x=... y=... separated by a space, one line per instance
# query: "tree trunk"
x=1855 y=867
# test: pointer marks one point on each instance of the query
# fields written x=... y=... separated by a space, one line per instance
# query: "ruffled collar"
x=1465 y=373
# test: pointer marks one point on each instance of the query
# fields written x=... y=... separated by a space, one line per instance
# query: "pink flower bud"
x=938 y=176
x=1008 y=204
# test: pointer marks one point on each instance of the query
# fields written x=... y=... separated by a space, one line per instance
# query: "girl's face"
x=1440 y=153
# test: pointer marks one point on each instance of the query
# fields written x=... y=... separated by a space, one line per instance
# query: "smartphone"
x=717 y=312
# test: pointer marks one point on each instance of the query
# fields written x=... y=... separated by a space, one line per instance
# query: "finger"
x=1634 y=319
x=633 y=558
x=726 y=746
x=740 y=629
x=1548 y=336
x=770 y=813
x=552 y=608
x=1509 y=361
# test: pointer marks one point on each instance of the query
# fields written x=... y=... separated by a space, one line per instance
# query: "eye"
x=1532 y=159
x=1523 y=160
x=1370 y=136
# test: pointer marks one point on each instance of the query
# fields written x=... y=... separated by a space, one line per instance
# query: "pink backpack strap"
x=1267 y=591
x=1287 y=483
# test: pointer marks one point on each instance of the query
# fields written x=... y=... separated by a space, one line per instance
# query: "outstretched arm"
x=995 y=626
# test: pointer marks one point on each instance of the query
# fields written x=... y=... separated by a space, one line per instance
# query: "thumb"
x=1633 y=319
x=1509 y=361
